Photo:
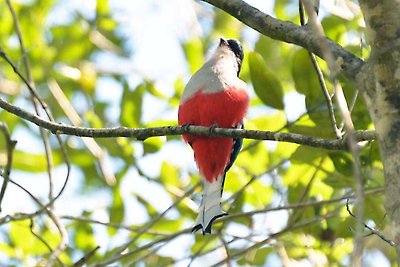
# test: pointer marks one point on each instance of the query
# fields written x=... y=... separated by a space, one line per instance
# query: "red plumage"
x=226 y=109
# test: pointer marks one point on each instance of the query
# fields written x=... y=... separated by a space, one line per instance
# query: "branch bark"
x=380 y=80
x=290 y=33
x=144 y=133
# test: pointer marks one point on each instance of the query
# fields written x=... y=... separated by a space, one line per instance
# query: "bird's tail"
x=210 y=208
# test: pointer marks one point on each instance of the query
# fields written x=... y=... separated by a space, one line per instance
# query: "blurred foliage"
x=265 y=175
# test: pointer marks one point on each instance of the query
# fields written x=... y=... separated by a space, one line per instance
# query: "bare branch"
x=300 y=225
x=41 y=239
x=120 y=253
x=49 y=116
x=288 y=32
x=144 y=133
x=371 y=229
x=85 y=258
x=303 y=205
x=64 y=236
x=91 y=144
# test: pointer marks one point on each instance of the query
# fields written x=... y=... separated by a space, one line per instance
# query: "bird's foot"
x=207 y=229
x=186 y=126
x=212 y=128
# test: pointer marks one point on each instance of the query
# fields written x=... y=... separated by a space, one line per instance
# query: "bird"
x=215 y=96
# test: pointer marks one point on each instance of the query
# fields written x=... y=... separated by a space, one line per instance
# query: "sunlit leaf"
x=169 y=174
x=88 y=77
x=24 y=241
x=33 y=162
x=194 y=52
x=116 y=210
x=152 y=145
x=84 y=236
x=131 y=106
x=226 y=26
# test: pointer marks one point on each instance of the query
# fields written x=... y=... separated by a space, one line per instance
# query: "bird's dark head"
x=236 y=48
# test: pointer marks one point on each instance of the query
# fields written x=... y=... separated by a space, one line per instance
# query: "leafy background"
x=126 y=63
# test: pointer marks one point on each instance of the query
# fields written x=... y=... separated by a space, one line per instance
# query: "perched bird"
x=215 y=97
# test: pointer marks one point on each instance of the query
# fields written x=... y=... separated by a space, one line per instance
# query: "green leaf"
x=308 y=126
x=273 y=122
x=22 y=238
x=259 y=194
x=131 y=106
x=152 y=145
x=116 y=210
x=337 y=180
x=33 y=162
x=166 y=225
x=257 y=153
x=334 y=28
x=169 y=174
x=261 y=256
x=267 y=87
x=305 y=154
x=343 y=163
x=304 y=75
x=88 y=77
x=194 y=52
x=226 y=26
x=94 y=120
x=255 y=257
x=152 y=89
x=204 y=243
x=84 y=236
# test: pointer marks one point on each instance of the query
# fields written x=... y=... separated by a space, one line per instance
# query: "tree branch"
x=289 y=33
x=371 y=229
x=144 y=133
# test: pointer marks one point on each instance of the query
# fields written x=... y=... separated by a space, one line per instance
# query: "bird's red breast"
x=225 y=108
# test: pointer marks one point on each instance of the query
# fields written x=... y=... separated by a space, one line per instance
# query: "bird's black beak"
x=223 y=42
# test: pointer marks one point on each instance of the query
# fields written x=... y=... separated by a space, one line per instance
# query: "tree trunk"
x=379 y=80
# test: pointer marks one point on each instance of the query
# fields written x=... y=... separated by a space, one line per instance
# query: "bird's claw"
x=186 y=126
x=212 y=128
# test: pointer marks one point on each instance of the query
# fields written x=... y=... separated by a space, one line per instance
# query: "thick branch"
x=144 y=133
x=288 y=32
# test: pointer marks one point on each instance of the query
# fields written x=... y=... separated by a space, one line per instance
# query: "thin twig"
x=120 y=253
x=49 y=116
x=296 y=217
x=85 y=258
x=149 y=245
x=41 y=239
x=230 y=217
x=110 y=224
x=76 y=120
x=64 y=236
x=288 y=32
x=35 y=100
x=10 y=145
x=371 y=229
x=226 y=250
x=321 y=79
x=253 y=178
x=34 y=95
x=292 y=228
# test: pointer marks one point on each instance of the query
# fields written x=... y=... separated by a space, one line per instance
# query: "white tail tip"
x=210 y=208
